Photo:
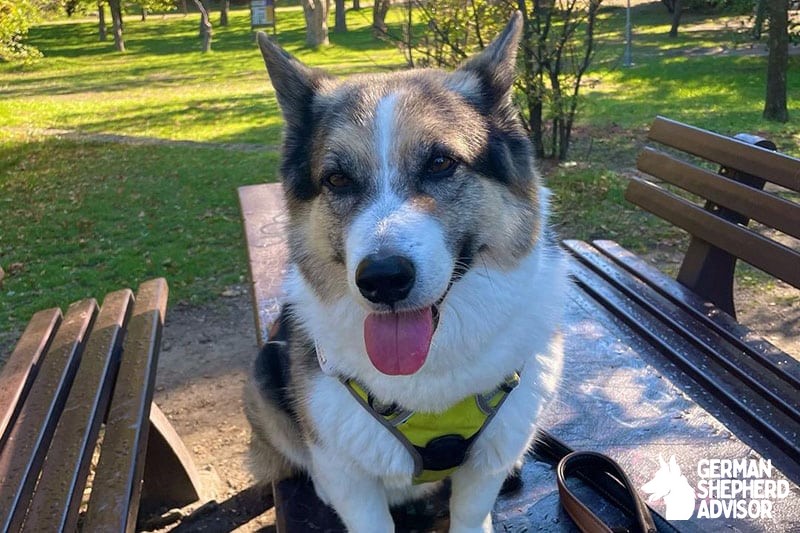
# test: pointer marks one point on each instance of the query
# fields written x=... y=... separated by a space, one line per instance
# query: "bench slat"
x=774 y=258
x=24 y=451
x=116 y=489
x=264 y=217
x=766 y=208
x=772 y=166
x=20 y=369
x=775 y=433
x=767 y=355
x=55 y=502
x=770 y=386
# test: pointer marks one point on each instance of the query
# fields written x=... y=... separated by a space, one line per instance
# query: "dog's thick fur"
x=477 y=237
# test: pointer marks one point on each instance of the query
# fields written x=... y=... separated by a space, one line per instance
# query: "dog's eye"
x=440 y=166
x=337 y=181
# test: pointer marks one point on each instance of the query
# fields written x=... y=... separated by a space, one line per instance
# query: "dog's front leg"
x=359 y=499
x=473 y=496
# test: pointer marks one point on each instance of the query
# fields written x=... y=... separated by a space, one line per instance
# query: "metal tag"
x=324 y=363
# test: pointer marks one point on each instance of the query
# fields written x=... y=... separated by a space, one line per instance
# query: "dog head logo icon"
x=671 y=486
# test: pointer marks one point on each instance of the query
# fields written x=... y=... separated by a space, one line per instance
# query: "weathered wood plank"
x=732 y=153
x=55 y=503
x=116 y=489
x=264 y=217
x=20 y=369
x=29 y=438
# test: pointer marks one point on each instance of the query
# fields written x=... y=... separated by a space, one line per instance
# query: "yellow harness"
x=438 y=442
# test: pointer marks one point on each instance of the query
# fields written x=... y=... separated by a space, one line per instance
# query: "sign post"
x=262 y=14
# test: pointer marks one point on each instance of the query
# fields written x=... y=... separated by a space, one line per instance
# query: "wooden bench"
x=691 y=320
x=721 y=391
x=83 y=382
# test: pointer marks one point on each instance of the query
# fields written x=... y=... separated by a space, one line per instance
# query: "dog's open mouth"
x=398 y=343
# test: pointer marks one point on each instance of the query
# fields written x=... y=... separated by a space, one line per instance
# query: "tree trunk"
x=116 y=19
x=184 y=7
x=225 y=5
x=144 y=14
x=379 y=11
x=758 y=23
x=778 y=61
x=356 y=4
x=101 y=20
x=316 y=14
x=341 y=20
x=205 y=25
x=677 y=11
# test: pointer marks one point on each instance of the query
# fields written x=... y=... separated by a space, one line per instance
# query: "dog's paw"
x=485 y=527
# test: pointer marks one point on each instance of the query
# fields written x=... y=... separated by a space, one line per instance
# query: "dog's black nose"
x=385 y=280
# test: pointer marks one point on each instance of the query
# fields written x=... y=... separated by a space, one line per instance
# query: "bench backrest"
x=733 y=196
x=56 y=390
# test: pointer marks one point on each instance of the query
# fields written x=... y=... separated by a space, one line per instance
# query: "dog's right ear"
x=295 y=83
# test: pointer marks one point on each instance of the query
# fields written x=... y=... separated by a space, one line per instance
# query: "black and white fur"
x=479 y=242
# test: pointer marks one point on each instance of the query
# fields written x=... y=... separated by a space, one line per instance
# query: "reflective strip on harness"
x=438 y=442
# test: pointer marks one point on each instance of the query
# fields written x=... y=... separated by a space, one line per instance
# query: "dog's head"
x=397 y=183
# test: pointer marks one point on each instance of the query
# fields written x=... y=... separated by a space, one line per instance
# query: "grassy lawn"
x=83 y=215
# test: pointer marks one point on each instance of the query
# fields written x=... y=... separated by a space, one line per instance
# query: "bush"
x=16 y=17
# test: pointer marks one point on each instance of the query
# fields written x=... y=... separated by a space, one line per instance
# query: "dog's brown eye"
x=440 y=164
x=337 y=181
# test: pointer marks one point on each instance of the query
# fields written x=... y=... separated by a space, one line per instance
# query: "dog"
x=424 y=288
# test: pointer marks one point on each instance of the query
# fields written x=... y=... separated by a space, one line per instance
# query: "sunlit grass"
x=82 y=217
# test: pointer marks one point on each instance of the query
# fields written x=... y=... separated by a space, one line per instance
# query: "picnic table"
x=618 y=396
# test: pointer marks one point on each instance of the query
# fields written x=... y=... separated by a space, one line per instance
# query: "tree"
x=224 y=7
x=316 y=15
x=356 y=4
x=379 y=10
x=116 y=22
x=778 y=60
x=101 y=20
x=557 y=49
x=675 y=8
x=341 y=20
x=205 y=25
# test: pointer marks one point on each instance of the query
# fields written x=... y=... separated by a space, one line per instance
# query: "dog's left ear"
x=295 y=84
x=495 y=66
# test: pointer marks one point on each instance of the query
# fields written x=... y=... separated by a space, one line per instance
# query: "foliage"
x=556 y=50
x=16 y=17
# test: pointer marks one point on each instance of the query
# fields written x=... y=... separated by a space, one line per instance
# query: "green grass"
x=82 y=216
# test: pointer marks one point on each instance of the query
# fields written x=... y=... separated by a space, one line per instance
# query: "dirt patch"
x=205 y=359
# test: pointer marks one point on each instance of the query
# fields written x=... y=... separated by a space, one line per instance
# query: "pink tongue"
x=398 y=343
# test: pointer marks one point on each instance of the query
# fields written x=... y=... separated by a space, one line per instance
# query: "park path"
x=135 y=140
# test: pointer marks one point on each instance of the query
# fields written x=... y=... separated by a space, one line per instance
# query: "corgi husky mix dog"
x=423 y=289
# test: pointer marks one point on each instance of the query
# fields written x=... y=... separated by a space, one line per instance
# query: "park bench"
x=691 y=320
x=653 y=366
x=78 y=384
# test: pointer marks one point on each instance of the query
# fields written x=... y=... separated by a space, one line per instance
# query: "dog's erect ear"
x=295 y=83
x=495 y=66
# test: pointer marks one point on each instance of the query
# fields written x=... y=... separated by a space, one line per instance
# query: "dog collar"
x=438 y=442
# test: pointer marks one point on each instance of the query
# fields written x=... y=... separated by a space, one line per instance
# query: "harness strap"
x=437 y=442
